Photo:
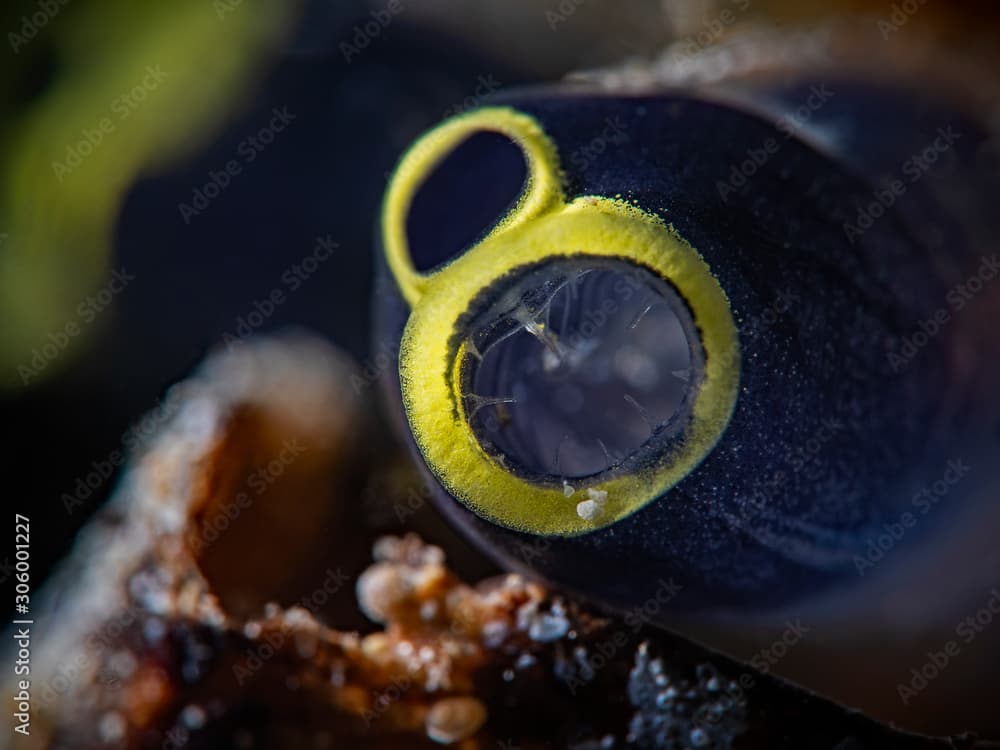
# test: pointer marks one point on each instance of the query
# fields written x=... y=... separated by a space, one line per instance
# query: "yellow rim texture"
x=541 y=226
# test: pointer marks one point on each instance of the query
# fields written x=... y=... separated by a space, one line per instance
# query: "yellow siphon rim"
x=541 y=226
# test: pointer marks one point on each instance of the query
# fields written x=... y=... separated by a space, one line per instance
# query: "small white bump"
x=588 y=510
x=599 y=497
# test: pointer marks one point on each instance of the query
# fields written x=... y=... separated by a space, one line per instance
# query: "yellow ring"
x=542 y=192
x=541 y=227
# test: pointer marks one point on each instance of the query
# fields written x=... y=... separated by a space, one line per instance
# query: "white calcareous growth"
x=592 y=507
x=452 y=720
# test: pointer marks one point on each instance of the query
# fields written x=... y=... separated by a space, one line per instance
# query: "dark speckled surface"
x=831 y=437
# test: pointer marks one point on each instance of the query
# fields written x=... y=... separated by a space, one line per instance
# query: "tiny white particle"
x=548 y=627
x=111 y=727
x=123 y=664
x=428 y=610
x=154 y=630
x=588 y=510
x=598 y=496
x=193 y=717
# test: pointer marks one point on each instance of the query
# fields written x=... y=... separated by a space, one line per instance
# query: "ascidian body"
x=723 y=363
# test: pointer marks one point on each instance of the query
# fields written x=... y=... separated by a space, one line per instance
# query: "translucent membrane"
x=579 y=366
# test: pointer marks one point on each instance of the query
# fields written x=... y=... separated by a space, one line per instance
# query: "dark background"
x=195 y=282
